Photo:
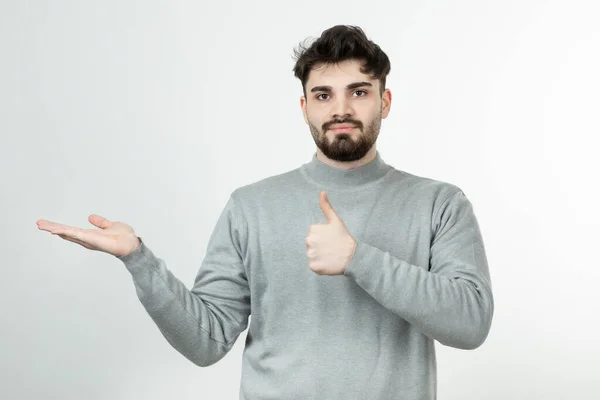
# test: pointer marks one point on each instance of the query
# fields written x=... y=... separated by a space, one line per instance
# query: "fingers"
x=87 y=238
x=327 y=208
x=99 y=221
x=70 y=239
x=69 y=231
x=66 y=232
x=50 y=226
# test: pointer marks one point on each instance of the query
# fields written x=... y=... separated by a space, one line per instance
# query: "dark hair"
x=341 y=43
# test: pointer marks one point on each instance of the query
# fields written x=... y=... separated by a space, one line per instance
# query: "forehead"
x=337 y=75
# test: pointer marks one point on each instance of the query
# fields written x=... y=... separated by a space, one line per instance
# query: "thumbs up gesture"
x=329 y=246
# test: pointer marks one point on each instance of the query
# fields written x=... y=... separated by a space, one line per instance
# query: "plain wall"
x=153 y=112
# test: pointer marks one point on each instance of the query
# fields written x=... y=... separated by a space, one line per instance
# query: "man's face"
x=343 y=109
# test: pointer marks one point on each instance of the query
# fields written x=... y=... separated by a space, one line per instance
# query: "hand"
x=114 y=238
x=329 y=246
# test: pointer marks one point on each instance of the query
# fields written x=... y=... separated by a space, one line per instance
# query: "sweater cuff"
x=359 y=263
x=137 y=260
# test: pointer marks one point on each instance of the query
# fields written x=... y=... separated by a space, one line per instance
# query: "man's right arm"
x=202 y=323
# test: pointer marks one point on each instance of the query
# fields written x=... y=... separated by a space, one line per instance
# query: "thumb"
x=327 y=208
x=99 y=221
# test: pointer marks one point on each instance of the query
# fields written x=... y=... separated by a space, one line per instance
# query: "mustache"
x=354 y=122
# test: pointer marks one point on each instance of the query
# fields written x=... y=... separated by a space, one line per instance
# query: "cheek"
x=368 y=114
x=316 y=117
x=369 y=110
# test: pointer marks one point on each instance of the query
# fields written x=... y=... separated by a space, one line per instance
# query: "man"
x=351 y=268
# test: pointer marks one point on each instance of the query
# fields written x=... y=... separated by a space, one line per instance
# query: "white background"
x=152 y=112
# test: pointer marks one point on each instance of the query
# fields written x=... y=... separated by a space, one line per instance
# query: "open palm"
x=115 y=238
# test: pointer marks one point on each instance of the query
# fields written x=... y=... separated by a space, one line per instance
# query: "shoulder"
x=269 y=186
x=263 y=194
x=425 y=189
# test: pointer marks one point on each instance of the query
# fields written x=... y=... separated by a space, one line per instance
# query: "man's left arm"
x=452 y=302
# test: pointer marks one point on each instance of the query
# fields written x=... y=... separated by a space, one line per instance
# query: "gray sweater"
x=419 y=274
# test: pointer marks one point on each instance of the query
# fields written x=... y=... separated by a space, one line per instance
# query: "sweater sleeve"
x=202 y=323
x=452 y=301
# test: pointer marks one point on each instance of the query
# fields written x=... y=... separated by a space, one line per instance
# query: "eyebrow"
x=351 y=86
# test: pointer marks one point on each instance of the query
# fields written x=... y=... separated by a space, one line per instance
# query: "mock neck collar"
x=329 y=176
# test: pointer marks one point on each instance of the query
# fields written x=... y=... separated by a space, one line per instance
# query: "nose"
x=341 y=109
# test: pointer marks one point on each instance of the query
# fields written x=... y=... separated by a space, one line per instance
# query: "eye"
x=322 y=94
x=361 y=91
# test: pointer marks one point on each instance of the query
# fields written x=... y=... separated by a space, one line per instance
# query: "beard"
x=343 y=147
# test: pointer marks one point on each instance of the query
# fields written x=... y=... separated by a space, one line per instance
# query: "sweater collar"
x=329 y=176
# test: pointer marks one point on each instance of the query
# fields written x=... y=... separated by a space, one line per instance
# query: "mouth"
x=342 y=128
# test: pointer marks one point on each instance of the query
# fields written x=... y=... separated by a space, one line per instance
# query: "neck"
x=356 y=175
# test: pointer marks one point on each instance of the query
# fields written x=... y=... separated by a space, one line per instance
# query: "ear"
x=386 y=100
x=303 y=107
